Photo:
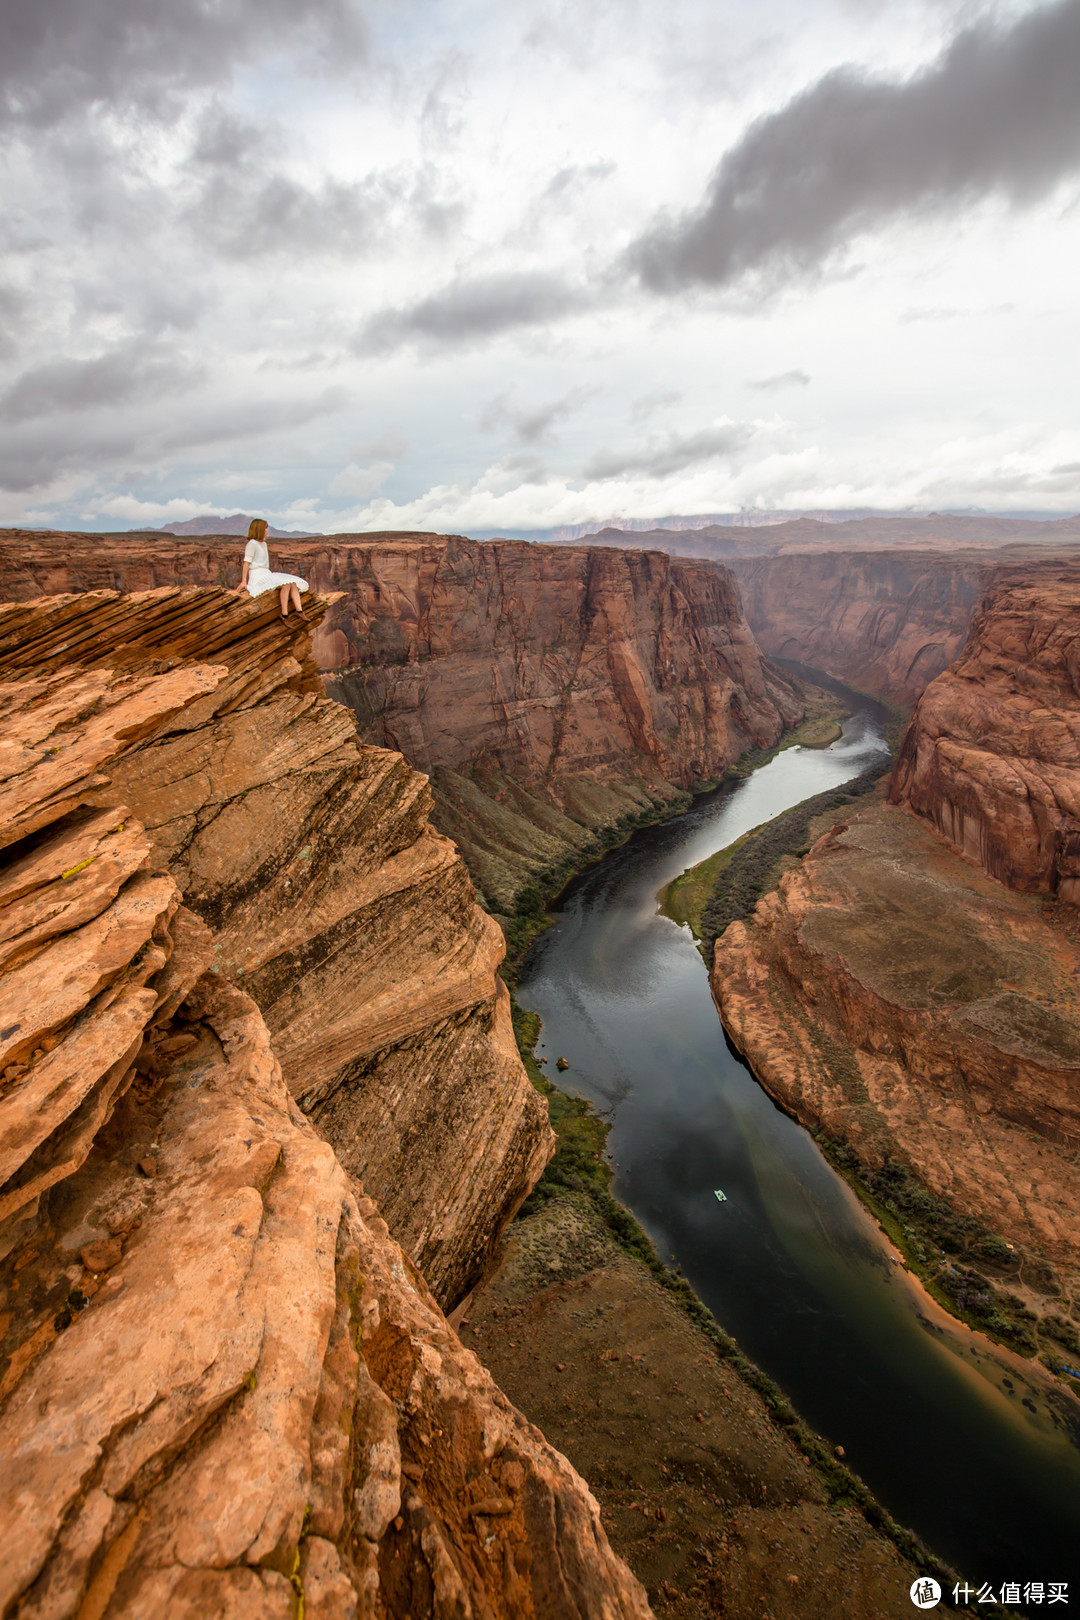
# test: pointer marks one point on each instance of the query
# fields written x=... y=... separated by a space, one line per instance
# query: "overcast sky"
x=510 y=264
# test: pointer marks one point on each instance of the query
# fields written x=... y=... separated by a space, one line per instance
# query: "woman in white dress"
x=259 y=577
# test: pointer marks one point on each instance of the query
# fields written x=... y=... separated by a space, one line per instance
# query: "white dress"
x=260 y=575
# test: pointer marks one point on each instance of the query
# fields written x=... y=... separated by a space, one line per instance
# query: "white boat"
x=720 y=1196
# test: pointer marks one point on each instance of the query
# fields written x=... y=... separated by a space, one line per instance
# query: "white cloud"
x=194 y=244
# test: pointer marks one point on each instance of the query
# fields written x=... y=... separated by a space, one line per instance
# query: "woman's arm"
x=244 y=575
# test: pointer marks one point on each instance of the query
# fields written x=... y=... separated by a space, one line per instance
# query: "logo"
x=925 y=1593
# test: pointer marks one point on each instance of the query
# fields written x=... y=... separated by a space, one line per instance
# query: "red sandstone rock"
x=992 y=756
x=349 y=919
x=885 y=622
x=549 y=690
x=893 y=994
x=210 y=1377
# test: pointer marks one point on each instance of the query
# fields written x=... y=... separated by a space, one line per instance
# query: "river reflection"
x=961 y=1441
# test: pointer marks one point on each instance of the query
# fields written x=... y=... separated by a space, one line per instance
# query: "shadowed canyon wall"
x=992 y=756
x=224 y=1388
x=905 y=987
x=885 y=622
x=548 y=691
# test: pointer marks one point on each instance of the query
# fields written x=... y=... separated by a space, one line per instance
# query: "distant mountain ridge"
x=931 y=531
x=237 y=524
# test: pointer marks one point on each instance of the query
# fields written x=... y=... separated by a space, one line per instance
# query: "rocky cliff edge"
x=224 y=1388
x=992 y=755
x=907 y=988
x=548 y=691
x=330 y=898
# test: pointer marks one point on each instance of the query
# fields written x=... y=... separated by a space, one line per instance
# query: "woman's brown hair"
x=257 y=529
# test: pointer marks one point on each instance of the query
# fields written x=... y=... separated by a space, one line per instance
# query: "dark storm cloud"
x=661 y=458
x=473 y=309
x=131 y=371
x=782 y=379
x=998 y=113
x=61 y=54
x=36 y=452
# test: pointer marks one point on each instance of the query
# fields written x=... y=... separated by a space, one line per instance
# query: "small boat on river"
x=721 y=1197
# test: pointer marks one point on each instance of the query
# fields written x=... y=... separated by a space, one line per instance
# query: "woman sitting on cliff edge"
x=258 y=576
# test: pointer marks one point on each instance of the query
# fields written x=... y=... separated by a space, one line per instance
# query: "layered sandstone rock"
x=347 y=917
x=891 y=993
x=548 y=691
x=992 y=756
x=224 y=1388
x=885 y=622
x=906 y=990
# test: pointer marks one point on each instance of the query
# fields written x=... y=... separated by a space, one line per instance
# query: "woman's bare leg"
x=283 y=598
x=297 y=605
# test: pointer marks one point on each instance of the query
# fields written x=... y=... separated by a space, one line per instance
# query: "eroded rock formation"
x=992 y=756
x=350 y=921
x=898 y=990
x=892 y=994
x=224 y=1388
x=547 y=690
x=885 y=622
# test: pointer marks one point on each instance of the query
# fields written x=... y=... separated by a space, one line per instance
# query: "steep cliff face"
x=886 y=622
x=897 y=989
x=349 y=920
x=547 y=690
x=894 y=995
x=224 y=1388
x=992 y=756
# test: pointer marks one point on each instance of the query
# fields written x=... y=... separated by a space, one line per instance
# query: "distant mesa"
x=237 y=524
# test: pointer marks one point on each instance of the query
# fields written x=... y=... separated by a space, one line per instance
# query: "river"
x=958 y=1439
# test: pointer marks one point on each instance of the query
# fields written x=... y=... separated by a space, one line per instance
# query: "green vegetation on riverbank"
x=960 y=1261
x=728 y=885
x=950 y=1252
x=579 y=1166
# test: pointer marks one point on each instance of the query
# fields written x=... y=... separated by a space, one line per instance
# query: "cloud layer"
x=997 y=113
x=351 y=263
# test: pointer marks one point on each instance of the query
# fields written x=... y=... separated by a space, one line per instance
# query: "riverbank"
x=992 y=1275
x=725 y=1496
x=945 y=1247
x=722 y=1498
x=708 y=1488
x=531 y=913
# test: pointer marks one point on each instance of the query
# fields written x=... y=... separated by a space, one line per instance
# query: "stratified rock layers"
x=885 y=622
x=892 y=994
x=897 y=989
x=567 y=686
x=992 y=756
x=347 y=917
x=224 y=1388
x=548 y=691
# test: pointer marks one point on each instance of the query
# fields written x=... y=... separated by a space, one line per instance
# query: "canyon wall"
x=937 y=531
x=224 y=1388
x=992 y=756
x=904 y=988
x=345 y=915
x=548 y=691
x=885 y=622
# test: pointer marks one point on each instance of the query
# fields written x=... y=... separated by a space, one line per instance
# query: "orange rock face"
x=891 y=993
x=992 y=756
x=547 y=690
x=331 y=898
x=904 y=988
x=885 y=622
x=224 y=1388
